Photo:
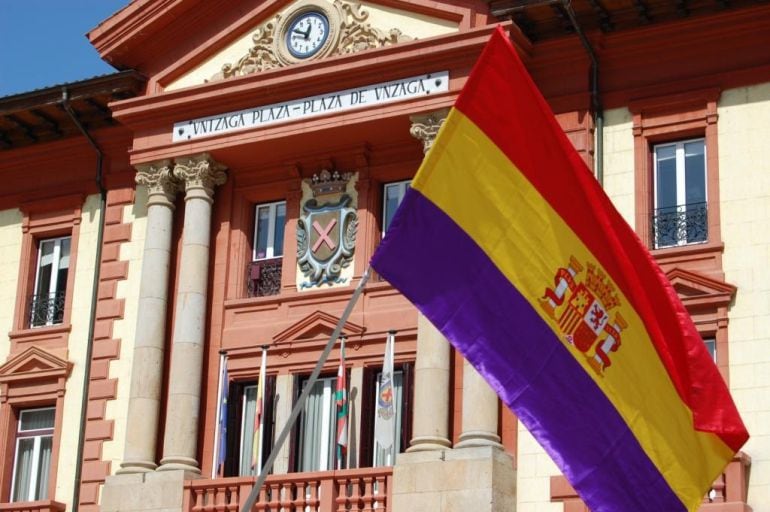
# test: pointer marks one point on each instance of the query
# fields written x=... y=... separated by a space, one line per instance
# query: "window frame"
x=681 y=185
x=297 y=445
x=272 y=220
x=402 y=186
x=54 y=280
x=235 y=421
x=37 y=435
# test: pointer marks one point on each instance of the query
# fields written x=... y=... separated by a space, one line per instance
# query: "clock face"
x=307 y=34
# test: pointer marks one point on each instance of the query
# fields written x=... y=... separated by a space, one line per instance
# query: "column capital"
x=159 y=179
x=199 y=171
x=426 y=126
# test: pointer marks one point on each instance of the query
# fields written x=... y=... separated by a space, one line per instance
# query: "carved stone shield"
x=326 y=238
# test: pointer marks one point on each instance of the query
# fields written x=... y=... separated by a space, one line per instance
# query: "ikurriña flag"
x=509 y=246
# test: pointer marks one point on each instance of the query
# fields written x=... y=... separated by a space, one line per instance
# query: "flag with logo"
x=384 y=420
x=509 y=246
x=259 y=420
x=341 y=396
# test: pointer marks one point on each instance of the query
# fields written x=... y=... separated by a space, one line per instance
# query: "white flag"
x=385 y=419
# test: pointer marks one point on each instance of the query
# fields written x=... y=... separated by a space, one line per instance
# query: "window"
x=317 y=427
x=268 y=230
x=240 y=431
x=680 y=193
x=265 y=269
x=34 y=444
x=393 y=194
x=387 y=457
x=711 y=346
x=53 y=261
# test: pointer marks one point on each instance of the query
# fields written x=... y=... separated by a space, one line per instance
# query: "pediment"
x=34 y=363
x=694 y=287
x=352 y=27
x=315 y=326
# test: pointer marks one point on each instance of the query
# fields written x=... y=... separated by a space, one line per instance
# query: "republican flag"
x=384 y=420
x=259 y=420
x=341 y=396
x=508 y=245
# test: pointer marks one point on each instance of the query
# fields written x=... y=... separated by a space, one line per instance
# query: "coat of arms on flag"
x=326 y=231
x=581 y=306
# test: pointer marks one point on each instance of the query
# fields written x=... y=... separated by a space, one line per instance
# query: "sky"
x=44 y=43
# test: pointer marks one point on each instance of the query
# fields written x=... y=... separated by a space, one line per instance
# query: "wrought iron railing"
x=263 y=277
x=680 y=225
x=349 y=490
x=46 y=309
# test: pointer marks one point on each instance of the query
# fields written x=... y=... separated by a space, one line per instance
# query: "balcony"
x=327 y=491
x=680 y=225
x=46 y=309
x=263 y=277
x=33 y=506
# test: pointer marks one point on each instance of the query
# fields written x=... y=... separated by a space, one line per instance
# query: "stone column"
x=199 y=174
x=147 y=369
x=479 y=419
x=430 y=423
x=430 y=428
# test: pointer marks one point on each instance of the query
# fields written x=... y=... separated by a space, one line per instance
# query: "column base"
x=428 y=443
x=145 y=492
x=480 y=479
x=476 y=438
x=179 y=463
x=128 y=467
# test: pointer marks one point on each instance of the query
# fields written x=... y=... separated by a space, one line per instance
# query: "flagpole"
x=261 y=399
x=252 y=498
x=217 y=433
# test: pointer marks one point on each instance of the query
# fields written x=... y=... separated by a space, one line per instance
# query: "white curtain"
x=388 y=457
x=247 y=430
x=318 y=427
x=43 y=468
x=23 y=475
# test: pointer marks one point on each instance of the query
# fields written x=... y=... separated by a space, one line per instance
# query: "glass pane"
x=36 y=419
x=695 y=172
x=45 y=268
x=711 y=346
x=394 y=194
x=280 y=222
x=64 y=256
x=666 y=176
x=247 y=430
x=23 y=470
x=263 y=220
x=44 y=467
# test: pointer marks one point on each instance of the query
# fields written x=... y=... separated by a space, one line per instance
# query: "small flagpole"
x=252 y=498
x=261 y=399
x=217 y=433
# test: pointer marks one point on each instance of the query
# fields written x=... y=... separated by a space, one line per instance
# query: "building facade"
x=220 y=197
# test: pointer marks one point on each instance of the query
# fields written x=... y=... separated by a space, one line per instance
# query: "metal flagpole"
x=217 y=432
x=261 y=407
x=249 y=503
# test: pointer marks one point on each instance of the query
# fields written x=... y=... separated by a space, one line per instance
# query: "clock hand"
x=307 y=32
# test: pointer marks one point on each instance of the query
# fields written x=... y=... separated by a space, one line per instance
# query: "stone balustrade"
x=325 y=491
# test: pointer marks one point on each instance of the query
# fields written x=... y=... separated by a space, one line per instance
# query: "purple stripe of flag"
x=533 y=373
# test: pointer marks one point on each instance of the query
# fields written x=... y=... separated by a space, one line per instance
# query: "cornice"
x=456 y=51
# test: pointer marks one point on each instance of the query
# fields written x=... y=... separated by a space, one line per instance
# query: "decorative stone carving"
x=350 y=29
x=199 y=171
x=326 y=231
x=158 y=177
x=425 y=127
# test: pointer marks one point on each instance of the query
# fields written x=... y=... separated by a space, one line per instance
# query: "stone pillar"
x=479 y=420
x=430 y=428
x=147 y=369
x=430 y=424
x=200 y=175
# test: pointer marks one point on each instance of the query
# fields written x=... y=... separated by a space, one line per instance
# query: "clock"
x=306 y=33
